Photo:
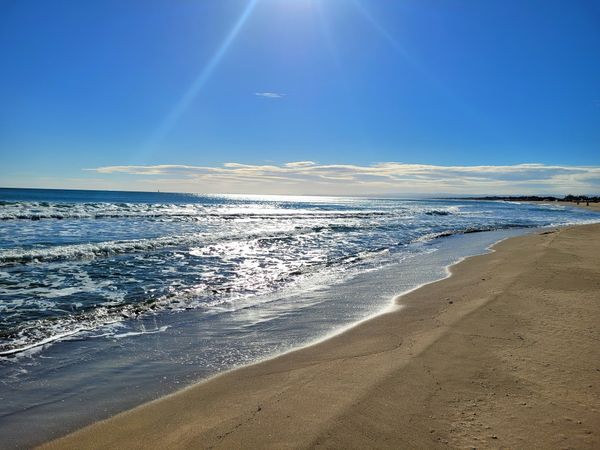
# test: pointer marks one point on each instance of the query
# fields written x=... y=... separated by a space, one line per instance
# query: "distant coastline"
x=580 y=201
x=536 y=198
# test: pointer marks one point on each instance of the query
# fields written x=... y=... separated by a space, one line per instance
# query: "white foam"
x=139 y=333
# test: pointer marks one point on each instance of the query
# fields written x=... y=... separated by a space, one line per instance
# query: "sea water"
x=110 y=299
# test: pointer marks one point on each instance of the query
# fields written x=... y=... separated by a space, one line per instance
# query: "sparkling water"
x=109 y=299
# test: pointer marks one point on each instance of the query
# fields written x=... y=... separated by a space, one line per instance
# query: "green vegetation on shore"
x=537 y=198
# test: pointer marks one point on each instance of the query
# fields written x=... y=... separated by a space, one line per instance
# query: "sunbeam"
x=332 y=48
x=326 y=34
x=190 y=94
x=384 y=33
x=381 y=30
x=476 y=116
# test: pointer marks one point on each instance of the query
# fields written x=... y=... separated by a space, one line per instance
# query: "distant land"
x=537 y=198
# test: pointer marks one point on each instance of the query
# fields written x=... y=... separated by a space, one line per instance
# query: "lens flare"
x=194 y=89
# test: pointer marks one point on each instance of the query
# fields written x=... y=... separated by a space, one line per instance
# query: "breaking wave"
x=70 y=268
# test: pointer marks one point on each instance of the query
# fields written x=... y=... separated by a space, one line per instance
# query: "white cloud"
x=309 y=177
x=301 y=164
x=269 y=94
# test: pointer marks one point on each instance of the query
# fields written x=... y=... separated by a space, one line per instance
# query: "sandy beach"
x=504 y=353
x=589 y=206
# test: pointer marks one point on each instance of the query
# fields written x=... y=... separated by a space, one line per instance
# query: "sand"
x=590 y=206
x=504 y=353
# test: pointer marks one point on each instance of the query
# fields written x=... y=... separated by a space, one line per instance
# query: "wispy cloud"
x=270 y=94
x=309 y=177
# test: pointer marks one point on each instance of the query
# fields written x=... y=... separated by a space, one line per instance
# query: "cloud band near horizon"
x=309 y=177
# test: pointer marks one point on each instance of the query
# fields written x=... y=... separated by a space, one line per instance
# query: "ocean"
x=110 y=299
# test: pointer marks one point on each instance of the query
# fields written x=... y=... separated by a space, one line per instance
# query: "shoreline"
x=338 y=374
x=376 y=290
x=594 y=206
x=582 y=205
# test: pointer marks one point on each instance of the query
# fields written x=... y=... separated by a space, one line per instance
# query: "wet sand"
x=591 y=206
x=504 y=353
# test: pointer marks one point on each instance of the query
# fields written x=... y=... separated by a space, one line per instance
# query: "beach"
x=503 y=353
x=299 y=224
x=585 y=205
x=117 y=299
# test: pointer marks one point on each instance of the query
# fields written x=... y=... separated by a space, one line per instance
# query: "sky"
x=357 y=97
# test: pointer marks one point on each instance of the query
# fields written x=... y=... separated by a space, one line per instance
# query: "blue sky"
x=221 y=96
